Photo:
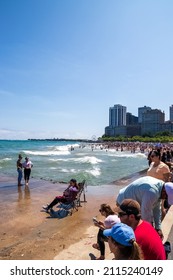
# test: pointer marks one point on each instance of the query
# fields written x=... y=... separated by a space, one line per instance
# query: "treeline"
x=157 y=138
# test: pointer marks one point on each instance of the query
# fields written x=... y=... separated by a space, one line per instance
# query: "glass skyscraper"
x=171 y=113
x=117 y=115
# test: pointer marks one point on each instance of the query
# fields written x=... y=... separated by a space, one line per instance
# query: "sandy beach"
x=27 y=233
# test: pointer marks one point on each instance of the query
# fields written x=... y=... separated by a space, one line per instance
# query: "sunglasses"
x=121 y=214
x=153 y=156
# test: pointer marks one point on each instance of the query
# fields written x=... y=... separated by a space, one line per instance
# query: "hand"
x=160 y=233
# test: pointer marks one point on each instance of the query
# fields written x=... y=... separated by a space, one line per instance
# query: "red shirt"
x=150 y=242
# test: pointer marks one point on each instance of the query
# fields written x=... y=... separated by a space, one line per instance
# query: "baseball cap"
x=121 y=233
x=129 y=206
x=169 y=191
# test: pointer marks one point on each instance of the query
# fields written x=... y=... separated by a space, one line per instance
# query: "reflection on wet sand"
x=25 y=194
x=24 y=199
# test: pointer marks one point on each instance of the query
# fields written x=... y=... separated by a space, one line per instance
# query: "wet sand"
x=27 y=233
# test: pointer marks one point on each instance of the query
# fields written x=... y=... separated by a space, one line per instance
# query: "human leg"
x=28 y=172
x=56 y=200
x=101 y=242
x=25 y=175
x=19 y=177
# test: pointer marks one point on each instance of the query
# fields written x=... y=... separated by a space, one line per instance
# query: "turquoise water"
x=54 y=160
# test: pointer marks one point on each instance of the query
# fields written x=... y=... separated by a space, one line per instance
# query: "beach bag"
x=61 y=213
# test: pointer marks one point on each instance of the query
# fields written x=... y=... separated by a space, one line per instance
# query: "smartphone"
x=95 y=220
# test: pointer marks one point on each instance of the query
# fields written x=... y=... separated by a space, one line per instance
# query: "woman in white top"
x=27 y=165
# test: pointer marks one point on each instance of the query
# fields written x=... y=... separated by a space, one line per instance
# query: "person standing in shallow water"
x=27 y=165
x=19 y=170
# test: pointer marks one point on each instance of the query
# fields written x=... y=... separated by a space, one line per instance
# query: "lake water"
x=55 y=161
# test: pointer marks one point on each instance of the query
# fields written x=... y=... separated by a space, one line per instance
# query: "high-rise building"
x=131 y=119
x=117 y=115
x=142 y=110
x=171 y=113
x=151 y=121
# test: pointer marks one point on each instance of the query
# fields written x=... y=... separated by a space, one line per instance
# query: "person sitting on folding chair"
x=69 y=195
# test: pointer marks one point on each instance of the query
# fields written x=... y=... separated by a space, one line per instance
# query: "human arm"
x=150 y=208
x=71 y=193
x=167 y=176
x=157 y=214
x=19 y=165
x=99 y=224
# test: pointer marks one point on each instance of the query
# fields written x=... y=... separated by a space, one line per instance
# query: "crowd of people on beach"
x=166 y=149
x=132 y=228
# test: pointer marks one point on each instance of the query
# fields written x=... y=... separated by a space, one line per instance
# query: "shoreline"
x=28 y=234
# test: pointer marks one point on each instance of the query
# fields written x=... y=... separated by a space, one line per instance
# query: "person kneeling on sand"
x=110 y=220
x=69 y=195
x=122 y=243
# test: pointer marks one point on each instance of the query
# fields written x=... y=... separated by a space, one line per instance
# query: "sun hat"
x=129 y=206
x=169 y=191
x=121 y=233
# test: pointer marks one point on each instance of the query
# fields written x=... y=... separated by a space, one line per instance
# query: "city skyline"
x=169 y=114
x=148 y=122
x=64 y=63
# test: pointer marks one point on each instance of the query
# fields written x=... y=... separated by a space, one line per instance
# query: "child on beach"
x=110 y=219
x=68 y=196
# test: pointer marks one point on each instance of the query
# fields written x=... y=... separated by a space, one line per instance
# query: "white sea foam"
x=5 y=159
x=95 y=172
x=86 y=159
x=47 y=153
x=63 y=148
x=71 y=170
x=128 y=155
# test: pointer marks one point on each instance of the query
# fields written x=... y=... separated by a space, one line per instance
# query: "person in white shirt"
x=27 y=165
x=110 y=219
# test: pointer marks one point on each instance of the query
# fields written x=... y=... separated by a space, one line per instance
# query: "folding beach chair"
x=82 y=190
x=70 y=207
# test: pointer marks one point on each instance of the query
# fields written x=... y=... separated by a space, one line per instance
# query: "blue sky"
x=63 y=63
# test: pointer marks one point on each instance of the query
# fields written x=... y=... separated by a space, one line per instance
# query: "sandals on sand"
x=96 y=246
